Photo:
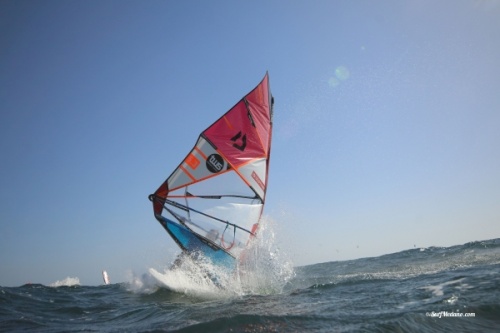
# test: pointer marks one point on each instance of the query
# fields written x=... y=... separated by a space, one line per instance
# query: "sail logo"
x=259 y=181
x=237 y=137
x=215 y=163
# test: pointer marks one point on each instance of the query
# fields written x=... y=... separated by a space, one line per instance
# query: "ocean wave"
x=380 y=294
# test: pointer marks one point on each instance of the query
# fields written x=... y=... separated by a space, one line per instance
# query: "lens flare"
x=333 y=82
x=342 y=73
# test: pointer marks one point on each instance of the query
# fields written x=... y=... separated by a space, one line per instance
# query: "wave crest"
x=67 y=282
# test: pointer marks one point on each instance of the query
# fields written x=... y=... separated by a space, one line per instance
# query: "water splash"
x=263 y=269
x=198 y=278
x=67 y=282
x=143 y=284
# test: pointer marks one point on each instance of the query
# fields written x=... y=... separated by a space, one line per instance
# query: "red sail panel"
x=259 y=102
x=235 y=137
x=242 y=134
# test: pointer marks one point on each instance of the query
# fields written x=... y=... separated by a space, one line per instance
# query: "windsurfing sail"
x=105 y=277
x=212 y=202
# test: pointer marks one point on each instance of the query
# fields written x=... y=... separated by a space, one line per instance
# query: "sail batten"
x=213 y=200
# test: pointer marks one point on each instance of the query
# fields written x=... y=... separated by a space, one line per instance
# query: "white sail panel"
x=255 y=175
x=202 y=162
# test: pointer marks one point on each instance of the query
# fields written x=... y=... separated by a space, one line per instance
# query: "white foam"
x=437 y=290
x=67 y=282
x=190 y=278
x=263 y=269
x=143 y=284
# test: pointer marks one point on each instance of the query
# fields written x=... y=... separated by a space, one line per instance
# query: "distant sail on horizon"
x=105 y=277
x=212 y=202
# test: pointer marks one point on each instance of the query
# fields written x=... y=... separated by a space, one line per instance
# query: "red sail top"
x=243 y=133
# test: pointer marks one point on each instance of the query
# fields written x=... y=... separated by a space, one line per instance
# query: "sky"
x=386 y=126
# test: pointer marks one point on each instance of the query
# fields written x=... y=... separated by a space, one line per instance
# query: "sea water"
x=454 y=289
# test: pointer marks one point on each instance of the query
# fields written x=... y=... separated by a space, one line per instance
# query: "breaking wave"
x=67 y=282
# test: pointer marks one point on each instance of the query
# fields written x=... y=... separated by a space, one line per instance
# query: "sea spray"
x=263 y=269
x=142 y=284
x=199 y=278
x=67 y=282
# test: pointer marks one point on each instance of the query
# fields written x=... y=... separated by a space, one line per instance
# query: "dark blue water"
x=455 y=289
